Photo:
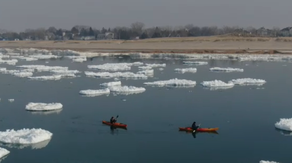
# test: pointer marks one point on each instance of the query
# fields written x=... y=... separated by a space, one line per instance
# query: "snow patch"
x=173 y=83
x=43 y=106
x=284 y=124
x=24 y=136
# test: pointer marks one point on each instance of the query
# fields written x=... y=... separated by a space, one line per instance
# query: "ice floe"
x=195 y=63
x=284 y=124
x=263 y=161
x=32 y=106
x=49 y=77
x=109 y=84
x=3 y=153
x=184 y=70
x=111 y=67
x=216 y=84
x=248 y=81
x=125 y=75
x=11 y=100
x=172 y=83
x=78 y=58
x=155 y=65
x=228 y=69
x=23 y=74
x=148 y=72
x=126 y=90
x=9 y=62
x=24 y=136
x=93 y=93
x=42 y=68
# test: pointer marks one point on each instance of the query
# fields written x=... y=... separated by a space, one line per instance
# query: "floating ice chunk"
x=155 y=65
x=146 y=72
x=77 y=58
x=109 y=84
x=173 y=83
x=39 y=145
x=228 y=69
x=52 y=77
x=11 y=100
x=92 y=93
x=126 y=75
x=248 y=81
x=42 y=68
x=43 y=106
x=9 y=62
x=23 y=74
x=111 y=67
x=61 y=71
x=195 y=63
x=184 y=70
x=161 y=69
x=41 y=56
x=3 y=152
x=145 y=67
x=24 y=136
x=268 y=161
x=25 y=58
x=217 y=84
x=127 y=90
x=284 y=124
x=137 y=63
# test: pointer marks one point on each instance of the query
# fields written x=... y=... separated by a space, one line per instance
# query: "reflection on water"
x=39 y=145
x=3 y=158
x=114 y=130
x=46 y=112
x=285 y=133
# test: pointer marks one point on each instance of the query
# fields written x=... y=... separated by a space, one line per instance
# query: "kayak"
x=120 y=125
x=199 y=129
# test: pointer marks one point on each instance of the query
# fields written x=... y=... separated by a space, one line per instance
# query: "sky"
x=18 y=15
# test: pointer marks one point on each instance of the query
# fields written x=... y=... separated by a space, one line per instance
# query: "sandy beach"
x=210 y=45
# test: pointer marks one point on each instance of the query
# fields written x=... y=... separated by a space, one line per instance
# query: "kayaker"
x=113 y=120
x=194 y=126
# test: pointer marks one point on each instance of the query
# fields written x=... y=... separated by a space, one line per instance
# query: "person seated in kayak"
x=194 y=126
x=113 y=120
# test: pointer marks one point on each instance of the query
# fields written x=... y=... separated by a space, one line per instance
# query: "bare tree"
x=137 y=28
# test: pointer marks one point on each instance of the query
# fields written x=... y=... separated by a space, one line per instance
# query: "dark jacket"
x=194 y=126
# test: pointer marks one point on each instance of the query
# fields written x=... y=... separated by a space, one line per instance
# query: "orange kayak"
x=199 y=129
x=120 y=125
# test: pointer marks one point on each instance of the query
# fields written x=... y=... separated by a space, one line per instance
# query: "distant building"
x=88 y=38
x=262 y=31
x=106 y=36
x=286 y=32
x=109 y=35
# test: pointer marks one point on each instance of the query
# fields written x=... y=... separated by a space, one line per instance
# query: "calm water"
x=245 y=116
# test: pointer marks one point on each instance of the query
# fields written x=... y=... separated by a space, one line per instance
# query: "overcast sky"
x=18 y=15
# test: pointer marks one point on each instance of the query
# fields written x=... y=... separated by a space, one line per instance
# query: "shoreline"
x=188 y=45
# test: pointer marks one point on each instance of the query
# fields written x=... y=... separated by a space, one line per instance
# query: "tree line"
x=137 y=30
